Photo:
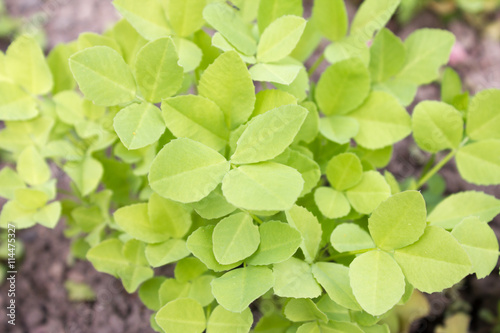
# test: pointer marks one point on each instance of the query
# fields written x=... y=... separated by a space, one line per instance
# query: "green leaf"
x=148 y=292
x=10 y=181
x=139 y=125
x=331 y=18
x=331 y=203
x=15 y=103
x=278 y=242
x=343 y=86
x=199 y=290
x=427 y=50
x=225 y=20
x=235 y=238
x=310 y=229
x=276 y=73
x=380 y=129
x=280 y=38
x=437 y=251
x=399 y=221
x=132 y=276
x=107 y=257
x=310 y=128
x=221 y=43
x=190 y=55
x=437 y=126
x=294 y=278
x=134 y=219
x=49 y=215
x=182 y=315
x=300 y=86
x=147 y=17
x=344 y=171
x=404 y=91
x=187 y=171
x=346 y=48
x=186 y=17
x=224 y=321
x=483 y=118
x=451 y=85
x=371 y=16
x=170 y=251
x=199 y=243
x=387 y=56
x=379 y=158
x=103 y=76
x=157 y=70
x=86 y=174
x=264 y=186
x=214 y=205
x=173 y=218
x=369 y=193
x=350 y=237
x=334 y=278
x=479 y=162
x=89 y=39
x=228 y=83
x=26 y=65
x=69 y=107
x=480 y=243
x=238 y=288
x=59 y=66
x=197 y=118
x=300 y=310
x=338 y=129
x=270 y=99
x=14 y=213
x=188 y=269
x=452 y=210
x=87 y=218
x=32 y=168
x=269 y=134
x=134 y=252
x=271 y=10
x=377 y=282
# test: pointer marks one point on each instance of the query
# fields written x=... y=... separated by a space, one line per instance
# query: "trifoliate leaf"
x=344 y=171
x=294 y=278
x=387 y=56
x=182 y=315
x=350 y=237
x=331 y=203
x=369 y=192
x=339 y=129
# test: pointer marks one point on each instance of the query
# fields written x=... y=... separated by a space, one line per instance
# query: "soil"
x=42 y=301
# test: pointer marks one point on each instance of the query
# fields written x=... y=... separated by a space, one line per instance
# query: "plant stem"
x=347 y=254
x=316 y=65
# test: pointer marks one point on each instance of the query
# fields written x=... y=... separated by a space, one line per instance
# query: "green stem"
x=346 y=254
x=315 y=66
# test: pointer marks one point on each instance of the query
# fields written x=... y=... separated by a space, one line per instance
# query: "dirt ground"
x=43 y=305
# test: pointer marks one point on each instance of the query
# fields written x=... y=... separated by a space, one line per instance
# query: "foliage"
x=270 y=201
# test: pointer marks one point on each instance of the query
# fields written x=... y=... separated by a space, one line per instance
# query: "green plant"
x=272 y=197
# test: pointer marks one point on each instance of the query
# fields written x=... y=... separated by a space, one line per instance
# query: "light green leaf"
x=107 y=257
x=134 y=219
x=437 y=126
x=235 y=238
x=427 y=50
x=221 y=43
x=225 y=20
x=59 y=66
x=404 y=91
x=300 y=86
x=157 y=71
x=346 y=48
x=380 y=129
x=173 y=218
x=480 y=243
x=339 y=129
x=371 y=16
x=276 y=73
x=344 y=171
x=479 y=162
x=86 y=174
x=270 y=99
x=387 y=56
x=190 y=54
x=224 y=321
x=331 y=203
x=214 y=205
x=187 y=171
x=379 y=158
x=69 y=107
x=49 y=215
x=300 y=310
x=139 y=125
x=331 y=18
x=15 y=103
x=350 y=237
x=310 y=229
x=269 y=134
x=437 y=251
x=199 y=243
x=199 y=290
x=369 y=193
x=238 y=288
x=14 y=213
x=182 y=315
x=280 y=38
x=87 y=218
x=186 y=17
x=278 y=242
x=452 y=210
x=188 y=269
x=310 y=128
x=103 y=76
x=343 y=86
x=399 y=221
x=451 y=85
x=377 y=282
x=294 y=278
x=334 y=278
x=89 y=39
x=32 y=168
x=264 y=186
x=26 y=65
x=228 y=83
x=483 y=118
x=197 y=118
x=172 y=250
x=9 y=183
x=270 y=10
x=147 y=17
x=134 y=252
x=148 y=292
